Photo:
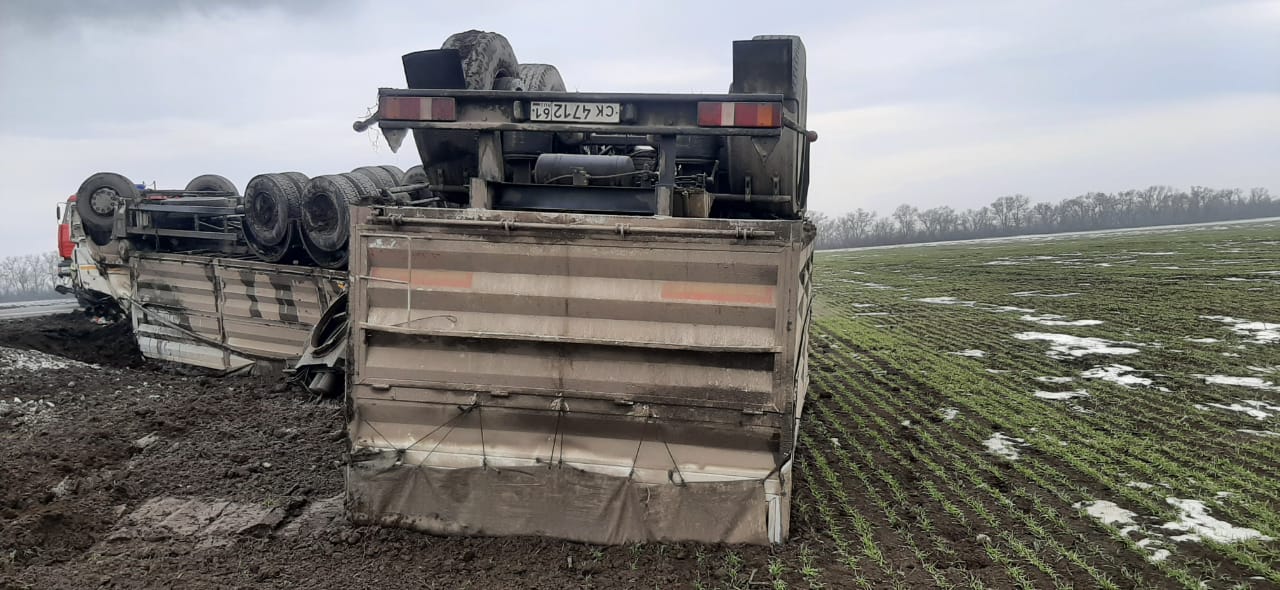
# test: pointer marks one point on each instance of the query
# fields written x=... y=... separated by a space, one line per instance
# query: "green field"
x=1080 y=411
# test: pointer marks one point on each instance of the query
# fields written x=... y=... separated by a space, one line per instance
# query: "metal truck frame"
x=585 y=316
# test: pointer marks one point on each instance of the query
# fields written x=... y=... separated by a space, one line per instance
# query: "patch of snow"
x=1194 y=518
x=1104 y=264
x=1251 y=382
x=997 y=371
x=1142 y=485
x=1202 y=340
x=1262 y=433
x=1003 y=263
x=1117 y=374
x=948 y=414
x=972 y=353
x=1261 y=332
x=1057 y=380
x=1231 y=355
x=870 y=285
x=1074 y=346
x=1265 y=370
x=864 y=305
x=1107 y=512
x=31 y=360
x=1254 y=408
x=873 y=314
x=1039 y=294
x=1007 y=309
x=975 y=304
x=1152 y=253
x=1061 y=395
x=1003 y=446
x=1057 y=320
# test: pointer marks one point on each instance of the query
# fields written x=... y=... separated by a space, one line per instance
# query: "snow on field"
x=1265 y=370
x=1193 y=520
x=1253 y=382
x=1262 y=433
x=31 y=360
x=1061 y=395
x=1261 y=332
x=1058 y=320
x=1076 y=346
x=1107 y=512
x=1203 y=340
x=971 y=353
x=1039 y=294
x=974 y=304
x=873 y=313
x=1056 y=380
x=864 y=305
x=1258 y=410
x=870 y=285
x=948 y=414
x=1117 y=374
x=1141 y=485
x=1003 y=446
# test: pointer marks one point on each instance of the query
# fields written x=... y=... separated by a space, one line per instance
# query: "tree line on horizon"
x=28 y=277
x=1016 y=215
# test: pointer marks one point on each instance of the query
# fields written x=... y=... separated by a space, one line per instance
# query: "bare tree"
x=905 y=215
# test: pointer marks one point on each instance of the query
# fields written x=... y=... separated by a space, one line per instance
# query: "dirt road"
x=31 y=309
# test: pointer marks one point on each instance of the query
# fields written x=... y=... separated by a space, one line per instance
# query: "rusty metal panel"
x=223 y=313
x=665 y=360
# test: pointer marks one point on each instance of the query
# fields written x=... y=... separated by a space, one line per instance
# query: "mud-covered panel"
x=554 y=501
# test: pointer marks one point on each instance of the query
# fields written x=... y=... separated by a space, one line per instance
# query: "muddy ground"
x=131 y=475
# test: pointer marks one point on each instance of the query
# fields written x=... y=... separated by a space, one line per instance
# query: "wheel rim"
x=103 y=201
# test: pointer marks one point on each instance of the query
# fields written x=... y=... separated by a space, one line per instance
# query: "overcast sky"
x=923 y=102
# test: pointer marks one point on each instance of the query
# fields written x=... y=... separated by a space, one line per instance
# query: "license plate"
x=576 y=112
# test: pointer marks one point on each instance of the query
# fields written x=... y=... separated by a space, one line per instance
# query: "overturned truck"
x=584 y=316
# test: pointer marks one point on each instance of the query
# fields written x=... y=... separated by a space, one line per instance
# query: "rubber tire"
x=271 y=203
x=212 y=182
x=541 y=78
x=415 y=175
x=98 y=226
x=396 y=173
x=377 y=175
x=326 y=221
x=509 y=84
x=300 y=180
x=485 y=58
x=366 y=189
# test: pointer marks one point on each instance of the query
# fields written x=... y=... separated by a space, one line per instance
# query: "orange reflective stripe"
x=751 y=294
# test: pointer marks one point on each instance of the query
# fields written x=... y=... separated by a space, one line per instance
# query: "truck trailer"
x=585 y=315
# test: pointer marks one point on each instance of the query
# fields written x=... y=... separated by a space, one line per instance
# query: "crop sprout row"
x=889 y=473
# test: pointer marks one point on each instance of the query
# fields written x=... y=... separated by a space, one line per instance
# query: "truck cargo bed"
x=598 y=378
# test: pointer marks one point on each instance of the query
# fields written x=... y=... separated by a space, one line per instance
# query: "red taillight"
x=412 y=108
x=65 y=245
x=739 y=114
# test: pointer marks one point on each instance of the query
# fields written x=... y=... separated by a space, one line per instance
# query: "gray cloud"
x=139 y=16
x=927 y=102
